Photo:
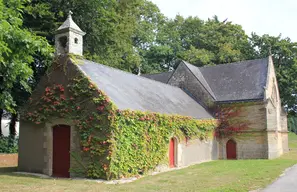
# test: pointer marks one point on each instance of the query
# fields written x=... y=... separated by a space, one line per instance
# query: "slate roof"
x=162 y=77
x=197 y=73
x=69 y=24
x=243 y=80
x=129 y=91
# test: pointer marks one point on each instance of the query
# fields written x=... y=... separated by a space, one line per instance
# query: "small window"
x=76 y=40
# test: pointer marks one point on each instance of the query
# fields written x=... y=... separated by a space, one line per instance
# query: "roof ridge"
x=233 y=63
x=142 y=77
x=157 y=73
x=212 y=93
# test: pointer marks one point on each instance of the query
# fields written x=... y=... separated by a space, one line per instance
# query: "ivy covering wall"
x=117 y=143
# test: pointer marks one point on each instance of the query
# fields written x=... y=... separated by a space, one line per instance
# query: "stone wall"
x=276 y=117
x=184 y=78
x=31 y=152
x=77 y=159
x=249 y=145
x=48 y=145
x=74 y=43
x=284 y=131
x=274 y=137
x=36 y=148
x=196 y=151
x=36 y=141
x=252 y=143
x=253 y=114
x=271 y=82
x=285 y=141
x=275 y=148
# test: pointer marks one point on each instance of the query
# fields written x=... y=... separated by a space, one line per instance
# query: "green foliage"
x=198 y=57
x=284 y=54
x=199 y=42
x=292 y=124
x=93 y=126
x=224 y=176
x=17 y=48
x=292 y=141
x=8 y=144
x=140 y=140
x=115 y=141
x=135 y=36
x=118 y=32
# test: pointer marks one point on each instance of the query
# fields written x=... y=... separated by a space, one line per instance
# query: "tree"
x=118 y=32
x=164 y=52
x=284 y=53
x=227 y=41
x=199 y=42
x=17 y=49
x=198 y=57
x=133 y=35
x=1 y=115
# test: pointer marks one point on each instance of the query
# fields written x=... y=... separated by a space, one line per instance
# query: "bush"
x=8 y=144
x=292 y=124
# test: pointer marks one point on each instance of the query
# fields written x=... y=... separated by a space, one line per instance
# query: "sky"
x=261 y=16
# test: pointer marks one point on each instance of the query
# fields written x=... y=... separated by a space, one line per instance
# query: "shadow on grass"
x=8 y=169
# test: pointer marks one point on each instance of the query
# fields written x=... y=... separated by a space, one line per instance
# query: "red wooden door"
x=61 y=149
x=231 y=149
x=171 y=153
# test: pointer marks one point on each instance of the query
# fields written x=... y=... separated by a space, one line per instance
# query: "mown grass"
x=241 y=175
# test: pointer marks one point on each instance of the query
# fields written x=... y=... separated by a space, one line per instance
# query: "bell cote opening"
x=69 y=38
x=63 y=41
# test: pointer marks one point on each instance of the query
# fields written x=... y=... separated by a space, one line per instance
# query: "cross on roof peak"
x=70 y=13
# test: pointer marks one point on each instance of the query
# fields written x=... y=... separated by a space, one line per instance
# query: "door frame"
x=48 y=143
x=227 y=148
x=175 y=150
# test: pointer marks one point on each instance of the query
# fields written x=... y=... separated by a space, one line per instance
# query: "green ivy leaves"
x=114 y=143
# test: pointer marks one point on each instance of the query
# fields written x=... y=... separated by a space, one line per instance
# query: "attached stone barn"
x=251 y=88
x=89 y=120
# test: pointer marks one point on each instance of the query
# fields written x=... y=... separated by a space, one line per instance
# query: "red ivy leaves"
x=101 y=108
x=86 y=149
x=229 y=121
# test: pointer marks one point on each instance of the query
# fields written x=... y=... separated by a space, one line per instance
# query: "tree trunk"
x=1 y=114
x=12 y=124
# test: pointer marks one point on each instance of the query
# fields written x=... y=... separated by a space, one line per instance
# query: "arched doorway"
x=172 y=152
x=231 y=149
x=61 y=151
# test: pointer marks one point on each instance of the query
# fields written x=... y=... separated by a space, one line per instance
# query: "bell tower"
x=69 y=38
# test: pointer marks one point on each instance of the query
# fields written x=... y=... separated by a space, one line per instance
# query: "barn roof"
x=243 y=80
x=162 y=77
x=129 y=91
x=197 y=73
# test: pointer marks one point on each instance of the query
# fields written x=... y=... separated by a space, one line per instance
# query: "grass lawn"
x=241 y=175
